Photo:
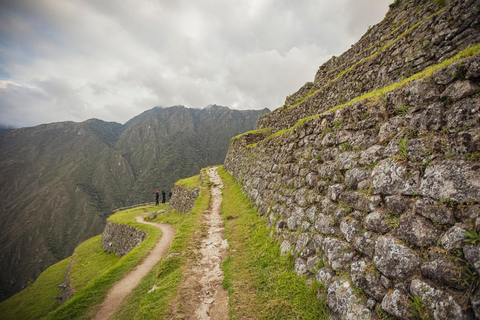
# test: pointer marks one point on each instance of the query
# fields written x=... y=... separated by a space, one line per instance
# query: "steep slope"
x=59 y=181
x=57 y=185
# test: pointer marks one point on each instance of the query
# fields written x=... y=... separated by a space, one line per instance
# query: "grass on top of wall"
x=36 y=300
x=376 y=94
x=168 y=273
x=262 y=284
x=299 y=100
x=190 y=183
x=85 y=302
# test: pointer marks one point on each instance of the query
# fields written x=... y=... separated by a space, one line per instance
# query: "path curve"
x=125 y=285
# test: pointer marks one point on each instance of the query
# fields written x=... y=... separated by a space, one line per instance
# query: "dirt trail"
x=124 y=286
x=201 y=295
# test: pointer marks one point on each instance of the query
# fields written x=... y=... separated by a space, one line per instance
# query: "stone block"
x=325 y=275
x=453 y=238
x=367 y=278
x=390 y=177
x=472 y=254
x=417 y=230
x=452 y=180
x=442 y=305
x=325 y=224
x=397 y=304
x=342 y=300
x=433 y=210
x=445 y=269
x=349 y=228
x=365 y=243
x=394 y=259
x=337 y=253
x=377 y=221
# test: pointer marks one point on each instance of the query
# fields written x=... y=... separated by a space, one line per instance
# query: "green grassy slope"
x=261 y=283
x=168 y=273
x=93 y=272
x=85 y=302
x=37 y=299
x=89 y=259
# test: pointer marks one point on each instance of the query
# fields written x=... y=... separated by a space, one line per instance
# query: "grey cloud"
x=111 y=60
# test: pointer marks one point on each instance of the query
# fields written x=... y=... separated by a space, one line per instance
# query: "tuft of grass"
x=472 y=236
x=402 y=150
x=261 y=283
x=36 y=300
x=403 y=110
x=168 y=273
x=190 y=183
x=419 y=311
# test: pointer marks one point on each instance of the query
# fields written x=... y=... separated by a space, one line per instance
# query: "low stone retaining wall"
x=120 y=239
x=183 y=199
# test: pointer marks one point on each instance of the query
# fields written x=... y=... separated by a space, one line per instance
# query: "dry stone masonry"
x=183 y=199
x=413 y=36
x=120 y=239
x=374 y=199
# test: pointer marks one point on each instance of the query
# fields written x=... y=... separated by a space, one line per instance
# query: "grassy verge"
x=85 y=301
x=261 y=283
x=168 y=273
x=36 y=300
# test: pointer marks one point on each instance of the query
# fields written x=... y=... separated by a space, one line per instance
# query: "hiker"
x=157 y=196
x=170 y=195
x=163 y=196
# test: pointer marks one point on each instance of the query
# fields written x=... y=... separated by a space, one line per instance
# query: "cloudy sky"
x=79 y=59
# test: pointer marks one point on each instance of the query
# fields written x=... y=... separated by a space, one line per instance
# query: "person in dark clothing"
x=163 y=196
x=170 y=195
x=157 y=196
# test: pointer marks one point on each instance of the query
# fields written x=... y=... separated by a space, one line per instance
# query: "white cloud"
x=74 y=60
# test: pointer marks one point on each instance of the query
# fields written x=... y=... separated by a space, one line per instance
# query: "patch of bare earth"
x=201 y=295
x=124 y=286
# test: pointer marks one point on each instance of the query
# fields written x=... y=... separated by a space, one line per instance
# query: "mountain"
x=59 y=181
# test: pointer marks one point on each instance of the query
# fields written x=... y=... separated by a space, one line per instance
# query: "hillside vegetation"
x=69 y=176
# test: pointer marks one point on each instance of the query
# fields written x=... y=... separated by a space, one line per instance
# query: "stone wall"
x=413 y=36
x=120 y=239
x=374 y=199
x=183 y=199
